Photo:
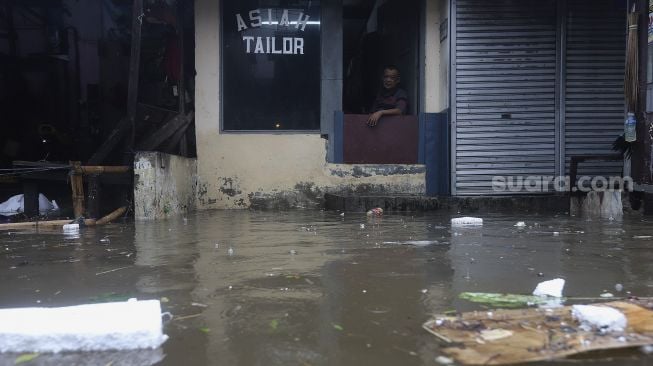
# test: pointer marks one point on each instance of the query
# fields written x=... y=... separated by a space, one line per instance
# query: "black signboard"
x=271 y=65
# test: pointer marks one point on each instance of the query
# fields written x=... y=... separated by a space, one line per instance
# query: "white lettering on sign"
x=288 y=46
x=240 y=22
x=284 y=18
x=255 y=18
x=273 y=45
x=302 y=21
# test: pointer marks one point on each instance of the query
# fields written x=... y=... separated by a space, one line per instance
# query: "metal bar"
x=561 y=30
x=452 y=89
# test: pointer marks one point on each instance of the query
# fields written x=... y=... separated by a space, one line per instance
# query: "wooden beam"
x=174 y=141
x=165 y=132
x=91 y=170
x=110 y=143
x=134 y=67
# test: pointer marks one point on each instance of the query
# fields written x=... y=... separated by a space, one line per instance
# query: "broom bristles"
x=631 y=75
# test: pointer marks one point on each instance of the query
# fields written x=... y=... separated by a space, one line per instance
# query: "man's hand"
x=374 y=118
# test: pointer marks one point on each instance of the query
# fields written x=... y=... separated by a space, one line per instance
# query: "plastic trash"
x=16 y=204
x=520 y=224
x=124 y=325
x=375 y=212
x=551 y=288
x=603 y=318
x=630 y=128
x=466 y=221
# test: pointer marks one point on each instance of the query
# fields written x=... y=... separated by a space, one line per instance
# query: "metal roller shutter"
x=594 y=101
x=503 y=102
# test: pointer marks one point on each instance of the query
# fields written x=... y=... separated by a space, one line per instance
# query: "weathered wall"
x=164 y=185
x=436 y=55
x=266 y=169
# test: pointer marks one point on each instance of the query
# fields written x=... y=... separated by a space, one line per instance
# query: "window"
x=271 y=65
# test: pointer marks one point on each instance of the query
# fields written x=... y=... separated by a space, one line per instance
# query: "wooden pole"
x=59 y=223
x=134 y=68
x=112 y=216
x=77 y=186
x=91 y=169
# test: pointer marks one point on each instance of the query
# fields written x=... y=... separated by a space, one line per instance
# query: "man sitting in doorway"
x=391 y=100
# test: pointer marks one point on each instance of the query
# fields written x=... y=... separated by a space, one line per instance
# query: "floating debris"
x=526 y=335
x=551 y=288
x=503 y=300
x=375 y=212
x=467 y=221
x=601 y=318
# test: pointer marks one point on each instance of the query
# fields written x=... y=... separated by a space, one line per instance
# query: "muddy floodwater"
x=314 y=287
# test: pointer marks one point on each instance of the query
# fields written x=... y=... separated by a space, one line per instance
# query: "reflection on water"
x=315 y=288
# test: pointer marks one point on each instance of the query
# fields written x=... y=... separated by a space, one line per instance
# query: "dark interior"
x=376 y=34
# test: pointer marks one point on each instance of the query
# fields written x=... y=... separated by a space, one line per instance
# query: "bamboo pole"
x=41 y=224
x=59 y=223
x=77 y=186
x=112 y=216
x=98 y=169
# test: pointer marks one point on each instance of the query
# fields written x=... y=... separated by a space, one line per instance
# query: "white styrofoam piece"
x=603 y=318
x=71 y=227
x=125 y=325
x=466 y=221
x=550 y=288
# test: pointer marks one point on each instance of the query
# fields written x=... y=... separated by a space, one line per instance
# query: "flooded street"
x=314 y=287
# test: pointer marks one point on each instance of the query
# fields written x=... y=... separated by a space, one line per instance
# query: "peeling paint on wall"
x=164 y=185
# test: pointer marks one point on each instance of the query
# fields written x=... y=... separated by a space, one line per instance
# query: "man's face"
x=390 y=78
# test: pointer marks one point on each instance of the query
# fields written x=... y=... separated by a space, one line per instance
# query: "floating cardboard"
x=513 y=336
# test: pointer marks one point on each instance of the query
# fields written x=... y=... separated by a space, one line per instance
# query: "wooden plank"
x=165 y=132
x=110 y=143
x=534 y=334
x=175 y=139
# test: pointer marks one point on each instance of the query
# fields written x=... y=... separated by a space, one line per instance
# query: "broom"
x=631 y=86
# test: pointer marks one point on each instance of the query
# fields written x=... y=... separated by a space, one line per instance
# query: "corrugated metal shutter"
x=504 y=91
x=594 y=101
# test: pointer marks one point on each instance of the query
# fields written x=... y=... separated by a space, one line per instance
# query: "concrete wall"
x=164 y=185
x=267 y=169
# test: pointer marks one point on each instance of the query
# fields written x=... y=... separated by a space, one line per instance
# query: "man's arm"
x=376 y=116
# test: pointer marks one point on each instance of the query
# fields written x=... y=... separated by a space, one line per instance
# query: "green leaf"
x=27 y=357
x=274 y=324
x=205 y=329
x=338 y=327
x=503 y=300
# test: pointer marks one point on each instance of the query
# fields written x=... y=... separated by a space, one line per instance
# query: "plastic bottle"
x=629 y=128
